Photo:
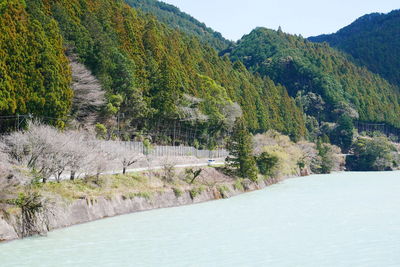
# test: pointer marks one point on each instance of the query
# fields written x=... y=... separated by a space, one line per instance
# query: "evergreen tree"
x=343 y=134
x=240 y=148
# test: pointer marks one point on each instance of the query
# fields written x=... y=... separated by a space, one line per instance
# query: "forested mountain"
x=337 y=85
x=34 y=73
x=177 y=19
x=374 y=41
x=148 y=70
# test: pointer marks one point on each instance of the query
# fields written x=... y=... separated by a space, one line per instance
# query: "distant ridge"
x=372 y=40
x=175 y=18
x=304 y=67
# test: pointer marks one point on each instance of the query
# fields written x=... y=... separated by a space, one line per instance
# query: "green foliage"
x=239 y=184
x=240 y=149
x=145 y=195
x=373 y=154
x=101 y=131
x=224 y=191
x=145 y=67
x=30 y=203
x=342 y=135
x=178 y=192
x=267 y=163
x=148 y=147
x=176 y=19
x=34 y=72
x=303 y=66
x=192 y=174
x=327 y=160
x=196 y=191
x=373 y=41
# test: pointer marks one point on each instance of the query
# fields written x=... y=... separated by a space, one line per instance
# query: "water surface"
x=345 y=219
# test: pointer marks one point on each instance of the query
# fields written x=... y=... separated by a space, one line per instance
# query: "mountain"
x=151 y=74
x=34 y=73
x=337 y=85
x=177 y=19
x=373 y=41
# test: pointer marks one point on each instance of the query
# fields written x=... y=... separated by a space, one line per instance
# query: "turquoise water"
x=346 y=219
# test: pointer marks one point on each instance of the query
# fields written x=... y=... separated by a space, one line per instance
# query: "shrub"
x=276 y=154
x=376 y=154
x=223 y=190
x=192 y=174
x=177 y=192
x=267 y=163
x=239 y=185
x=196 y=191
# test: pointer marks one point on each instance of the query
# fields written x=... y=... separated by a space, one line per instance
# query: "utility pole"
x=119 y=115
x=17 y=122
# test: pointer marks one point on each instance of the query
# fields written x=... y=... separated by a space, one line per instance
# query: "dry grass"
x=131 y=185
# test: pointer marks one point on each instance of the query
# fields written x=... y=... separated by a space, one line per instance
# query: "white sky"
x=234 y=18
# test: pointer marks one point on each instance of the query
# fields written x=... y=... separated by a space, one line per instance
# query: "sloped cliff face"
x=7 y=232
x=63 y=214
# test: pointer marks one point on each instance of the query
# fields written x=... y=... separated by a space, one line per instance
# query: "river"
x=344 y=219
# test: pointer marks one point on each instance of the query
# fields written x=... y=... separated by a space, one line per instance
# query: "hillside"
x=373 y=41
x=34 y=73
x=177 y=19
x=151 y=74
x=304 y=67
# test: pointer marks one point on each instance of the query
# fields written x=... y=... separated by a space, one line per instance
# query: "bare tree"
x=5 y=168
x=88 y=94
x=124 y=155
x=168 y=170
x=77 y=152
x=231 y=112
x=190 y=109
x=34 y=148
x=45 y=150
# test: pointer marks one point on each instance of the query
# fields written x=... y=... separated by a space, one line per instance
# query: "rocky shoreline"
x=63 y=214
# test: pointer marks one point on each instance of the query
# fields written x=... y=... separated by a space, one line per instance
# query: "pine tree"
x=240 y=148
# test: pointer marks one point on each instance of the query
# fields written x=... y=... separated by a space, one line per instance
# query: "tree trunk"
x=72 y=177
x=124 y=170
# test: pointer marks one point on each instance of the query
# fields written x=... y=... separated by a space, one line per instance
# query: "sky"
x=234 y=18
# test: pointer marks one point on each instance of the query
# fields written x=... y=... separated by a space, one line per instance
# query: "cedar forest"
x=167 y=66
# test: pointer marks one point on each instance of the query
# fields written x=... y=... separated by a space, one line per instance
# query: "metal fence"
x=167 y=151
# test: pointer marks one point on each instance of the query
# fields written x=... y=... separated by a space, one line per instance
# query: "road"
x=142 y=169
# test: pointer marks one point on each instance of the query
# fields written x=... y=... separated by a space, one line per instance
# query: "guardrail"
x=167 y=151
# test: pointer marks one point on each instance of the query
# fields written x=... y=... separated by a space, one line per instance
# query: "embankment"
x=64 y=212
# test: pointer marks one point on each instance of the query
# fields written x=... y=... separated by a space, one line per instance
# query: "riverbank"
x=74 y=202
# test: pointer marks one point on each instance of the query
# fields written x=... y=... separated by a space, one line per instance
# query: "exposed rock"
x=64 y=214
x=7 y=232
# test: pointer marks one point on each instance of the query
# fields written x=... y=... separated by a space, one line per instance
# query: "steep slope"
x=177 y=19
x=303 y=67
x=88 y=95
x=374 y=41
x=150 y=72
x=34 y=72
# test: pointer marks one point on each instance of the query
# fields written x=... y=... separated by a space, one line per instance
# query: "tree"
x=342 y=135
x=123 y=154
x=328 y=158
x=375 y=154
x=241 y=153
x=267 y=163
